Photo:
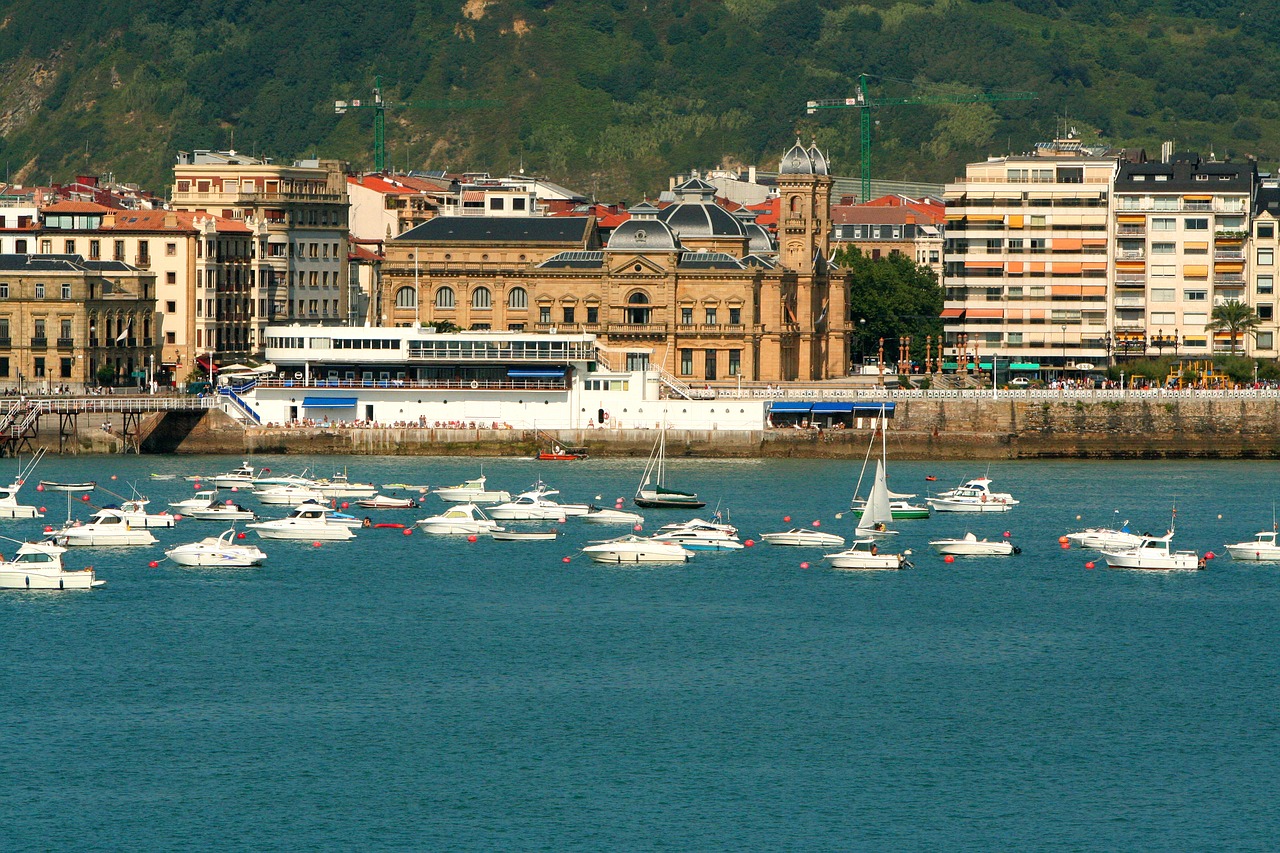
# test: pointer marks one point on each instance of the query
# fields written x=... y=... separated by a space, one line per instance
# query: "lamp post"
x=1064 y=350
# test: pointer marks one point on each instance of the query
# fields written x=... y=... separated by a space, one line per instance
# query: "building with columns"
x=702 y=293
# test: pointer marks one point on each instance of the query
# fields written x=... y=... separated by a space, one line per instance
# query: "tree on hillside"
x=1234 y=317
x=890 y=297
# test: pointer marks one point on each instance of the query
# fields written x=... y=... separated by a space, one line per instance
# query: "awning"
x=986 y=313
x=1025 y=365
x=1197 y=198
x=832 y=408
x=533 y=373
x=1195 y=270
x=873 y=408
x=983 y=265
x=790 y=408
x=1131 y=219
x=203 y=361
x=328 y=402
x=1015 y=220
x=955 y=217
x=1067 y=244
x=1197 y=246
x=953 y=194
x=953 y=313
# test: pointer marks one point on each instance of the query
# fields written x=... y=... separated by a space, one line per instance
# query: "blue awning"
x=792 y=408
x=530 y=373
x=832 y=408
x=874 y=408
x=328 y=402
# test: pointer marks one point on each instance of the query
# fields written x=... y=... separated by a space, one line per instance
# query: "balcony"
x=1221 y=254
x=1131 y=325
x=142 y=261
x=638 y=330
x=66 y=343
x=39 y=343
x=1229 y=279
x=1131 y=301
x=1131 y=281
x=1198 y=206
x=1132 y=231
x=1130 y=254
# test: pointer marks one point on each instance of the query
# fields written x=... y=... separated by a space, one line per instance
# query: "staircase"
x=237 y=407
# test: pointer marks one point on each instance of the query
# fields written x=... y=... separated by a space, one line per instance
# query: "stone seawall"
x=928 y=429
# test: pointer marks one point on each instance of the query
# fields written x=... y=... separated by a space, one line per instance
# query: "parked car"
x=1020 y=382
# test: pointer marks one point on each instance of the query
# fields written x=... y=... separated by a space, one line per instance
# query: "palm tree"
x=1235 y=317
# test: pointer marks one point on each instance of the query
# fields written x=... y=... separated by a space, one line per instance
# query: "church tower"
x=804 y=217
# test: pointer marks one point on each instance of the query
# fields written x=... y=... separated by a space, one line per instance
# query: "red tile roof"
x=76 y=207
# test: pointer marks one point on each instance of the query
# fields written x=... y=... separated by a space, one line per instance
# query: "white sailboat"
x=652 y=492
x=877 y=513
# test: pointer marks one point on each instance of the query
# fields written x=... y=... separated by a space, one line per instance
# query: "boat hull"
x=319 y=533
x=221 y=515
x=863 y=560
x=653 y=500
x=943 y=505
x=803 y=539
x=613 y=516
x=57 y=579
x=455 y=528
x=961 y=548
x=11 y=512
x=239 y=558
x=80 y=538
x=619 y=555
x=1172 y=563
x=1251 y=552
x=523 y=535
x=1104 y=540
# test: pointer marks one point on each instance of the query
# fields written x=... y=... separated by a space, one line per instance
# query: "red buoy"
x=786 y=518
x=408 y=532
x=950 y=558
x=84 y=498
x=804 y=565
x=817 y=523
x=315 y=544
x=1089 y=565
x=239 y=535
x=345 y=505
x=749 y=543
x=471 y=538
x=638 y=528
x=40 y=488
x=1066 y=546
x=153 y=564
x=565 y=560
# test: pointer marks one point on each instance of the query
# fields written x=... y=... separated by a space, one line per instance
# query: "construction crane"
x=379 y=107
x=860 y=101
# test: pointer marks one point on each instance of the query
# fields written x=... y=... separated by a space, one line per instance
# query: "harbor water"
x=431 y=693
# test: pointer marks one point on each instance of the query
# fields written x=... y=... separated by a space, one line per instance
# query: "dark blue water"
x=430 y=693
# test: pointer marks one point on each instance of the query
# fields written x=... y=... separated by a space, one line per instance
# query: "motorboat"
x=473 y=491
x=465 y=519
x=106 y=527
x=1105 y=538
x=38 y=565
x=865 y=554
x=9 y=506
x=156 y=476
x=223 y=511
x=970 y=545
x=199 y=500
x=974 y=496
x=240 y=476
x=1261 y=549
x=502 y=535
x=307 y=521
x=536 y=505
x=700 y=524
x=338 y=486
x=217 y=551
x=803 y=537
x=287 y=495
x=86 y=486
x=636 y=549
x=604 y=515
x=135 y=511
x=700 y=540
x=652 y=493
x=1154 y=553
x=387 y=502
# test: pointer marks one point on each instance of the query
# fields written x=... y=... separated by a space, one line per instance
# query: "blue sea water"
x=428 y=693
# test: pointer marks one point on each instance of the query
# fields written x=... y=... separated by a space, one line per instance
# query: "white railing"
x=1073 y=394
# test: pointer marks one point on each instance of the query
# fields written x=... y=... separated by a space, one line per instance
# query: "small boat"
x=9 y=506
x=1154 y=553
x=155 y=476
x=222 y=511
x=636 y=549
x=199 y=500
x=877 y=514
x=1105 y=538
x=474 y=492
x=865 y=554
x=803 y=537
x=700 y=524
x=652 y=492
x=1261 y=549
x=338 y=486
x=87 y=486
x=307 y=521
x=970 y=545
x=560 y=453
x=930 y=478
x=135 y=512
x=503 y=535
x=288 y=495
x=604 y=515
x=38 y=565
x=536 y=505
x=105 y=528
x=700 y=540
x=900 y=508
x=217 y=551
x=973 y=496
x=242 y=475
x=405 y=487
x=463 y=519
x=385 y=502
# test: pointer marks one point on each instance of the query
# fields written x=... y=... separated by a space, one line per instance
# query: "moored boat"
x=970 y=545
x=803 y=537
x=307 y=521
x=85 y=486
x=473 y=491
x=1154 y=553
x=38 y=565
x=386 y=502
x=865 y=554
x=1105 y=538
x=974 y=496
x=635 y=549
x=502 y=535
x=105 y=528
x=652 y=492
x=605 y=515
x=1261 y=549
x=215 y=551
x=462 y=519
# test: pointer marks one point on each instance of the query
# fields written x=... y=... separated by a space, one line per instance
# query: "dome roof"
x=696 y=188
x=760 y=241
x=819 y=160
x=701 y=219
x=643 y=235
x=796 y=161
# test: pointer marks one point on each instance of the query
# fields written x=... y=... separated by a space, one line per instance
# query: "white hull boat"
x=214 y=551
x=385 y=502
x=970 y=545
x=474 y=492
x=974 y=496
x=598 y=515
x=536 y=505
x=700 y=524
x=652 y=493
x=1155 y=553
x=1262 y=549
x=865 y=554
x=107 y=528
x=338 y=486
x=222 y=512
x=306 y=522
x=803 y=537
x=135 y=512
x=1105 y=538
x=9 y=506
x=287 y=495
x=464 y=519
x=501 y=535
x=635 y=549
x=87 y=486
x=38 y=565
x=237 y=477
x=199 y=500
x=699 y=540
x=877 y=513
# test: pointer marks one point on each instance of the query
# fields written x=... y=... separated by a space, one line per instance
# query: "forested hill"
x=611 y=96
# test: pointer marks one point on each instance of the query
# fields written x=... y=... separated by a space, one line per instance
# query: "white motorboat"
x=1261 y=549
x=105 y=528
x=474 y=492
x=604 y=515
x=338 y=486
x=970 y=545
x=199 y=500
x=386 y=502
x=307 y=521
x=239 y=477
x=536 y=505
x=9 y=506
x=974 y=496
x=1105 y=538
x=222 y=511
x=700 y=524
x=636 y=549
x=502 y=535
x=803 y=537
x=287 y=495
x=85 y=486
x=464 y=519
x=700 y=540
x=217 y=551
x=865 y=554
x=38 y=565
x=1154 y=553
x=135 y=512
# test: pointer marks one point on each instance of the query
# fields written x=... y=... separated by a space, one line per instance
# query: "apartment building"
x=1181 y=228
x=1027 y=257
x=892 y=224
x=299 y=220
x=1263 y=249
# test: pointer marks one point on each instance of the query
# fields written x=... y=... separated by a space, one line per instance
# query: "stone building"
x=704 y=294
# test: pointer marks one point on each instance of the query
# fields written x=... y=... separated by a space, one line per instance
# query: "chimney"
x=751 y=174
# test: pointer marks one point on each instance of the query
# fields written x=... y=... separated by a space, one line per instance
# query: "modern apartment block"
x=1027 y=257
x=298 y=216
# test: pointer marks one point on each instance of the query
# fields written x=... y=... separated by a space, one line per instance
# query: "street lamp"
x=1064 y=350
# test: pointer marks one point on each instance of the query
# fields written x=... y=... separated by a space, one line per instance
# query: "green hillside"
x=611 y=96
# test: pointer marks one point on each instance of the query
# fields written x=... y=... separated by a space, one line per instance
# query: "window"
x=1015 y=337
x=711 y=316
x=171 y=278
x=4 y=290
x=1198 y=223
x=1266 y=283
x=46 y=247
x=735 y=362
x=517 y=204
x=1163 y=318
x=1264 y=340
x=1266 y=257
x=593 y=314
x=1266 y=311
x=1163 y=271
x=568 y=315
x=69 y=247
x=1162 y=294
x=1195 y=295
x=407 y=297
x=170 y=337
x=4 y=366
x=64 y=366
x=20 y=246
x=39 y=291
x=1163 y=248
x=171 y=249
x=445 y=298
x=1159 y=223
x=735 y=316
x=66 y=290
x=39 y=367
x=686 y=316
x=495 y=204
x=95 y=249
x=64 y=330
x=481 y=298
x=1266 y=229
x=686 y=362
x=544 y=313
x=518 y=298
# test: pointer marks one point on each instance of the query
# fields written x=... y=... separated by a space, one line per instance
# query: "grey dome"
x=696 y=188
x=643 y=235
x=760 y=241
x=797 y=161
x=819 y=160
x=691 y=219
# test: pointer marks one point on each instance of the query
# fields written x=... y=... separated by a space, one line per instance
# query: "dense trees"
x=891 y=297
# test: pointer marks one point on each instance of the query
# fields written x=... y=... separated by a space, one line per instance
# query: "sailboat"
x=877 y=513
x=652 y=492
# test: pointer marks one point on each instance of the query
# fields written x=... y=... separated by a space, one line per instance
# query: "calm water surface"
x=412 y=692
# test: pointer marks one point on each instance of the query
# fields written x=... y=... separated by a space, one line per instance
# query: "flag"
x=124 y=333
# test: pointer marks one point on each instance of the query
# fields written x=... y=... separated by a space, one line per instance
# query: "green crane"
x=860 y=101
x=379 y=107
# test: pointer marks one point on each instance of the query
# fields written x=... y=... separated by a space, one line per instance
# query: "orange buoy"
x=1063 y=540
x=1066 y=546
x=786 y=518
x=638 y=528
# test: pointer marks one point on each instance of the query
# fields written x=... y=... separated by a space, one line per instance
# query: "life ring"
x=396 y=526
x=474 y=384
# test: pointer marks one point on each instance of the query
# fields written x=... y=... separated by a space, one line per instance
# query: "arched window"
x=518 y=298
x=795 y=204
x=444 y=297
x=481 y=298
x=638 y=310
x=406 y=297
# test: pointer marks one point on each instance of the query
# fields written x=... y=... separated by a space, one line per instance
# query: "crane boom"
x=864 y=104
